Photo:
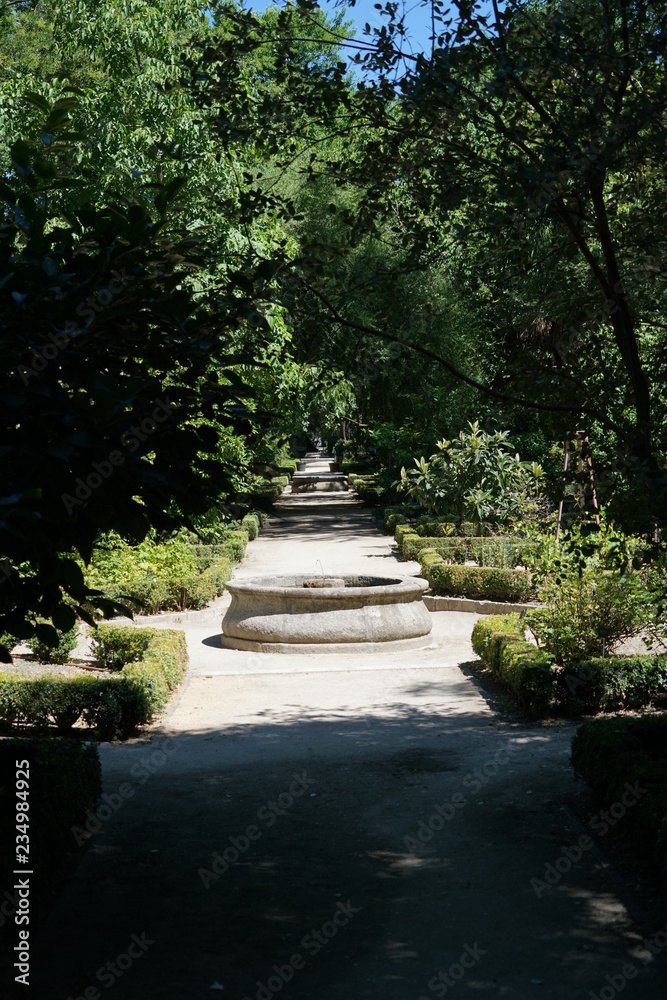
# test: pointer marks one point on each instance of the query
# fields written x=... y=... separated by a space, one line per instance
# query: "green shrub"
x=263 y=492
x=54 y=654
x=234 y=544
x=612 y=753
x=373 y=487
x=116 y=645
x=584 y=616
x=488 y=630
x=398 y=515
x=591 y=595
x=441 y=527
x=251 y=525
x=497 y=552
x=113 y=707
x=525 y=670
x=616 y=682
x=172 y=576
x=177 y=593
x=65 y=785
x=481 y=582
x=401 y=531
x=428 y=559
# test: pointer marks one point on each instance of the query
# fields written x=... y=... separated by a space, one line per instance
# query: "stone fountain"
x=325 y=614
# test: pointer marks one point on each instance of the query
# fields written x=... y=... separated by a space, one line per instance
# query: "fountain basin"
x=306 y=613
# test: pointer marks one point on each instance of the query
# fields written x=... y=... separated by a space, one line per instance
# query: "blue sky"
x=418 y=17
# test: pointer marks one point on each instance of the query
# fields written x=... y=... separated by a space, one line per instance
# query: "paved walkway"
x=343 y=826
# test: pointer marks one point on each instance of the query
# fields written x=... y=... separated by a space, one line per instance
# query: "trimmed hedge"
x=111 y=706
x=609 y=754
x=482 y=582
x=263 y=492
x=616 y=682
x=252 y=525
x=402 y=531
x=65 y=785
x=498 y=551
x=525 y=670
x=116 y=645
x=234 y=544
x=373 y=487
x=441 y=527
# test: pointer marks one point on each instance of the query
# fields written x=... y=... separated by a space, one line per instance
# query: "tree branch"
x=453 y=370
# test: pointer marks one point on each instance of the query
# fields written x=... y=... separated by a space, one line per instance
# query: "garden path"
x=267 y=839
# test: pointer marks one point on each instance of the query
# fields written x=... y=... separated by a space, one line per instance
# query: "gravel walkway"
x=344 y=827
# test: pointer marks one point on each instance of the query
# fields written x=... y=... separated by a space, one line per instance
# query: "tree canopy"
x=225 y=225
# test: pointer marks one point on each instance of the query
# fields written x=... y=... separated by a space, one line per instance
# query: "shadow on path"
x=284 y=857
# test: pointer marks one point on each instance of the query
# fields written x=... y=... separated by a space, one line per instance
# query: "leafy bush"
x=234 y=544
x=177 y=594
x=474 y=475
x=616 y=682
x=116 y=645
x=441 y=527
x=54 y=654
x=174 y=576
x=262 y=492
x=115 y=560
x=374 y=487
x=112 y=707
x=482 y=582
x=65 y=785
x=397 y=515
x=525 y=670
x=612 y=753
x=591 y=598
x=251 y=524
x=498 y=552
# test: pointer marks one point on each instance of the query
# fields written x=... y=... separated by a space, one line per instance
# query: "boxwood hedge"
x=480 y=582
x=111 y=706
x=65 y=784
x=613 y=753
x=617 y=682
x=523 y=668
x=498 y=551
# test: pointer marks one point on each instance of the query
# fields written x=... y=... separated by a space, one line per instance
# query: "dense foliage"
x=222 y=231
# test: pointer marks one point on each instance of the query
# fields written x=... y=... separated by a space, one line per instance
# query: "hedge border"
x=611 y=753
x=65 y=785
x=523 y=668
x=497 y=551
x=612 y=683
x=483 y=582
x=113 y=707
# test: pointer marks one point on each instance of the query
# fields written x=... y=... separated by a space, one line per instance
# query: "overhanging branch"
x=467 y=379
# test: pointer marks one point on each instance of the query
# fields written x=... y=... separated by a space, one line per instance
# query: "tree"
x=115 y=374
x=524 y=153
